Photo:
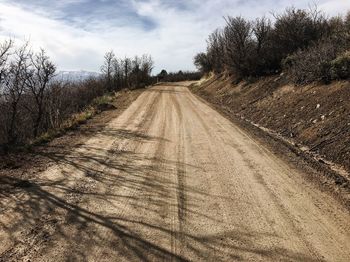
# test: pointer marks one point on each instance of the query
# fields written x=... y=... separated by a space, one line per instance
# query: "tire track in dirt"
x=255 y=169
x=146 y=116
x=180 y=175
x=258 y=169
x=172 y=180
x=82 y=184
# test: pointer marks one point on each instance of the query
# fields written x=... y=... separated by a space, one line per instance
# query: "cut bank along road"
x=171 y=179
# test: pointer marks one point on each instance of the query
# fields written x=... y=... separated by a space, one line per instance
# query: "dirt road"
x=170 y=179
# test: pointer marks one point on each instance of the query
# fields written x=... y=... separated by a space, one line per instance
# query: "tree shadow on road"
x=55 y=213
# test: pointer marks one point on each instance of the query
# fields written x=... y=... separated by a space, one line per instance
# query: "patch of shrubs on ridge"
x=306 y=44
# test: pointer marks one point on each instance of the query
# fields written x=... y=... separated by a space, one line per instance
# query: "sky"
x=77 y=33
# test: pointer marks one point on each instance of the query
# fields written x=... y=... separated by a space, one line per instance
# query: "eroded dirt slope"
x=170 y=179
x=315 y=118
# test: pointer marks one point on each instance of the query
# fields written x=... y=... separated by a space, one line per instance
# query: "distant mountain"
x=75 y=76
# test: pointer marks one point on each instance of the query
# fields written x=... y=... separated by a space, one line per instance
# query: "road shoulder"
x=316 y=172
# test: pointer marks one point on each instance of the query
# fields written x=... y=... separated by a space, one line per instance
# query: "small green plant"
x=106 y=99
x=340 y=67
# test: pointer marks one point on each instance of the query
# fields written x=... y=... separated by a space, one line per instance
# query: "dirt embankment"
x=315 y=118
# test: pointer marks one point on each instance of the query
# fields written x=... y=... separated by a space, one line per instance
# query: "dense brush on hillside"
x=33 y=101
x=306 y=44
x=164 y=76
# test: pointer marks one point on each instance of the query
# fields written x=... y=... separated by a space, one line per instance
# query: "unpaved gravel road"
x=171 y=179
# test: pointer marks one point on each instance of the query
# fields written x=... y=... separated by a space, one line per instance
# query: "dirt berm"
x=313 y=119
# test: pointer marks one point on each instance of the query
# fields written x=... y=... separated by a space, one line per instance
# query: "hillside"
x=315 y=119
x=75 y=76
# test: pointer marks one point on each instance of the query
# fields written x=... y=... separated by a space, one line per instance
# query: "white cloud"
x=335 y=7
x=179 y=32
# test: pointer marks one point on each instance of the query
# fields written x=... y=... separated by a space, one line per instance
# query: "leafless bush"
x=296 y=29
x=238 y=45
x=265 y=60
x=215 y=50
x=32 y=101
x=324 y=60
x=108 y=68
x=65 y=99
x=164 y=76
x=340 y=67
x=313 y=64
x=127 y=73
x=253 y=48
x=13 y=87
x=202 y=62
x=39 y=75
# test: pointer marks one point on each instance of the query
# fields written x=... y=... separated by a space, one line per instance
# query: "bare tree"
x=14 y=87
x=107 y=69
x=202 y=63
x=32 y=102
x=39 y=75
x=127 y=70
x=294 y=29
x=117 y=73
x=238 y=43
x=4 y=55
x=262 y=29
x=147 y=65
x=347 y=21
x=216 y=50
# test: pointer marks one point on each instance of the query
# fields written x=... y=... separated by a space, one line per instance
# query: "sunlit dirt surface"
x=170 y=179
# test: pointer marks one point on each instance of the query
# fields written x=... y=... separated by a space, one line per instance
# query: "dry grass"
x=98 y=105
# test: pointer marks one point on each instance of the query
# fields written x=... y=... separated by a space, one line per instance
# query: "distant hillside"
x=75 y=76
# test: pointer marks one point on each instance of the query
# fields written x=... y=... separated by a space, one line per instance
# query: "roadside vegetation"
x=164 y=76
x=35 y=106
x=289 y=76
x=307 y=45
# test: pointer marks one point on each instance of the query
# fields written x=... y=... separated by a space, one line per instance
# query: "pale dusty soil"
x=315 y=117
x=170 y=179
